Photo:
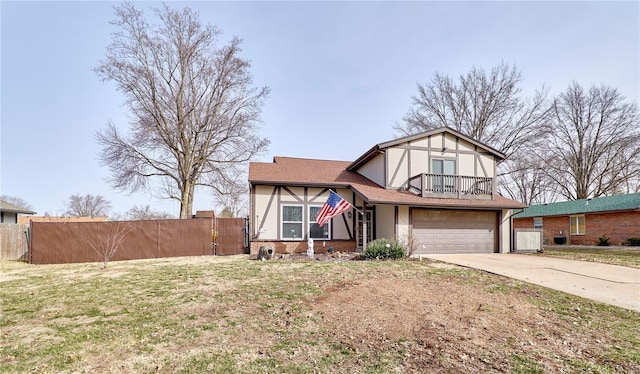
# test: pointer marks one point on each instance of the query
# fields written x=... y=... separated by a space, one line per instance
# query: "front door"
x=369 y=215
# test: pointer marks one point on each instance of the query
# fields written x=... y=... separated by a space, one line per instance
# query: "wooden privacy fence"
x=13 y=241
x=232 y=236
x=69 y=242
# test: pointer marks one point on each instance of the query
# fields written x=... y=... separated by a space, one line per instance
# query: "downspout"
x=513 y=238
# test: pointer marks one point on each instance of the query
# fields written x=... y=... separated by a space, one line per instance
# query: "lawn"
x=230 y=314
x=615 y=256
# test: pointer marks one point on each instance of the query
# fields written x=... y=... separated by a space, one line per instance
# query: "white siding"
x=465 y=146
x=505 y=231
x=424 y=142
x=269 y=230
x=403 y=229
x=419 y=162
x=374 y=170
x=450 y=142
x=488 y=162
x=8 y=217
x=385 y=222
x=397 y=170
x=466 y=165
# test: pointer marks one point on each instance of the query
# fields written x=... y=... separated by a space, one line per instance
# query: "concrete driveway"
x=611 y=284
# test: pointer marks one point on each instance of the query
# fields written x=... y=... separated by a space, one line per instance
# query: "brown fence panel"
x=57 y=243
x=231 y=236
x=13 y=241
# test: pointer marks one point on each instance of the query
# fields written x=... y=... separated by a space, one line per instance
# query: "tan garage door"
x=454 y=231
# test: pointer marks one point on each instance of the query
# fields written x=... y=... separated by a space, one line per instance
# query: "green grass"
x=219 y=316
x=624 y=257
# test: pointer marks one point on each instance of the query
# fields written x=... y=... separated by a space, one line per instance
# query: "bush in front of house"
x=633 y=242
x=383 y=249
x=603 y=241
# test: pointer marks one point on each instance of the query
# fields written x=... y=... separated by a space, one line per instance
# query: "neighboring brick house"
x=584 y=221
x=436 y=189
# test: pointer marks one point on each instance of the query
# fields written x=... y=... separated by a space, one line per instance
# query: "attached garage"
x=454 y=231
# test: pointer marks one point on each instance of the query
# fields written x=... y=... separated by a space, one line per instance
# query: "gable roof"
x=596 y=205
x=289 y=171
x=301 y=172
x=380 y=147
x=6 y=206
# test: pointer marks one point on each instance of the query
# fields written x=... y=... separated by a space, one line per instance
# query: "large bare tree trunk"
x=186 y=202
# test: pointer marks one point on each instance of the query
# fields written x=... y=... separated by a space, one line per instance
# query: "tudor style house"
x=435 y=190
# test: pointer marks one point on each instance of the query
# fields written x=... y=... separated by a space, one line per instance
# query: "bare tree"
x=22 y=203
x=525 y=179
x=232 y=195
x=487 y=107
x=595 y=142
x=87 y=206
x=145 y=212
x=107 y=245
x=226 y=213
x=195 y=114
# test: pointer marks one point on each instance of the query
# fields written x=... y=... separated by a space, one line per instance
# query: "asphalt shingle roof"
x=6 y=206
x=289 y=171
x=582 y=206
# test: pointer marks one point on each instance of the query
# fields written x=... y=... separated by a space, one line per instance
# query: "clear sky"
x=341 y=75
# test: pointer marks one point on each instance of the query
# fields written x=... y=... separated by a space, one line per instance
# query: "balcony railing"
x=452 y=186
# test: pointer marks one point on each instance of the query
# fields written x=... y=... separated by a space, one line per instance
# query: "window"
x=315 y=231
x=292 y=222
x=537 y=223
x=577 y=225
x=447 y=167
x=445 y=181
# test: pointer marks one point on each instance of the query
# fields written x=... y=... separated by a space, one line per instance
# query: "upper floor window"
x=447 y=167
x=537 y=223
x=577 y=225
x=445 y=180
x=292 y=221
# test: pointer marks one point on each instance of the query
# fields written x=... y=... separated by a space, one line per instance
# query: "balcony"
x=452 y=186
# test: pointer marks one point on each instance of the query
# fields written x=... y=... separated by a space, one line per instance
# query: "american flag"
x=334 y=206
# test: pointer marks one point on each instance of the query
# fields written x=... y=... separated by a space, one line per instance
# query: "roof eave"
x=575 y=213
x=379 y=148
x=300 y=184
x=18 y=211
x=366 y=157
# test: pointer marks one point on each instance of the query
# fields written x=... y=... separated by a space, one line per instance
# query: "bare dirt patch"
x=444 y=325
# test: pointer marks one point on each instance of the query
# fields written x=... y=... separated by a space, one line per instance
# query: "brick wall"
x=618 y=226
x=301 y=246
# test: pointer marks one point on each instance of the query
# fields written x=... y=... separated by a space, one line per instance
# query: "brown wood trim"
x=293 y=194
x=279 y=215
x=313 y=199
x=398 y=167
x=346 y=225
x=484 y=170
x=266 y=212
